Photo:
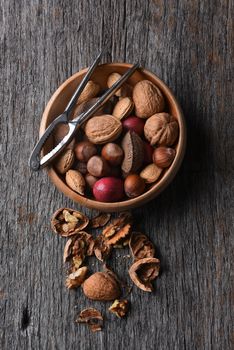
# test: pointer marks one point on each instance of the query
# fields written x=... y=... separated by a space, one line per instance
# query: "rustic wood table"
x=188 y=45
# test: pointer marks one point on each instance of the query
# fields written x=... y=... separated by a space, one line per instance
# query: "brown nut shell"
x=151 y=173
x=84 y=106
x=75 y=181
x=101 y=249
x=123 y=108
x=100 y=220
x=163 y=156
x=103 y=129
x=133 y=148
x=65 y=216
x=98 y=167
x=134 y=185
x=91 y=90
x=90 y=180
x=161 y=129
x=140 y=246
x=112 y=153
x=92 y=317
x=65 y=161
x=147 y=98
x=143 y=271
x=101 y=286
x=123 y=90
x=84 y=150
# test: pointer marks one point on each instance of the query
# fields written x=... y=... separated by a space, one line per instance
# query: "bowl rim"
x=154 y=190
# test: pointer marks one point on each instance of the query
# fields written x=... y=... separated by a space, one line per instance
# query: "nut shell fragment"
x=92 y=317
x=141 y=247
x=100 y=220
x=102 y=286
x=143 y=271
x=119 y=307
x=67 y=225
x=101 y=249
x=75 y=279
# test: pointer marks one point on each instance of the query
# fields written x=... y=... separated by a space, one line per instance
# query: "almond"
x=91 y=90
x=75 y=181
x=123 y=108
x=151 y=173
x=103 y=129
x=65 y=161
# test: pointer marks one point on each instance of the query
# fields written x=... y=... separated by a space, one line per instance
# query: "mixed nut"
x=104 y=285
x=124 y=148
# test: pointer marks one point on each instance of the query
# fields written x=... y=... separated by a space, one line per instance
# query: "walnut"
x=161 y=129
x=67 y=222
x=75 y=279
x=119 y=229
x=141 y=247
x=92 y=318
x=119 y=307
x=143 y=271
x=100 y=220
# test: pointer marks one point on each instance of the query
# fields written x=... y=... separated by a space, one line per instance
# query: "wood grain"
x=189 y=45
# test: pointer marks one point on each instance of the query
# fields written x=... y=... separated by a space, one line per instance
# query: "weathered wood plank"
x=189 y=45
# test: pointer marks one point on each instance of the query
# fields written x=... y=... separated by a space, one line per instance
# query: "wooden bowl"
x=57 y=104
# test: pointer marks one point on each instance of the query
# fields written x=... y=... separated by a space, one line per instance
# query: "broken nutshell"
x=67 y=222
x=92 y=317
x=76 y=278
x=101 y=249
x=143 y=271
x=77 y=248
x=141 y=247
x=100 y=220
x=119 y=307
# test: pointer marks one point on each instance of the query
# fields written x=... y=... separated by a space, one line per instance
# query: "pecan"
x=143 y=271
x=140 y=246
x=102 y=250
x=67 y=222
x=92 y=318
x=119 y=228
x=119 y=307
x=100 y=220
x=75 y=279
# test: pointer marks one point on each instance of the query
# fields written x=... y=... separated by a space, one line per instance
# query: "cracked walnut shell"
x=141 y=247
x=143 y=271
x=161 y=129
x=92 y=317
x=67 y=222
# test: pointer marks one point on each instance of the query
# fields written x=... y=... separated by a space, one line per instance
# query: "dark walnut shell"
x=133 y=148
x=67 y=222
x=100 y=220
x=143 y=271
x=77 y=248
x=92 y=317
x=141 y=247
x=161 y=129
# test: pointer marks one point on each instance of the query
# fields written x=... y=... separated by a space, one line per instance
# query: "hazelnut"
x=112 y=153
x=108 y=189
x=98 y=166
x=134 y=185
x=81 y=167
x=84 y=150
x=163 y=156
x=133 y=123
x=90 y=180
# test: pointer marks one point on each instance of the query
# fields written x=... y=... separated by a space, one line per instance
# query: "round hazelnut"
x=84 y=150
x=134 y=185
x=163 y=156
x=113 y=153
x=133 y=123
x=108 y=189
x=90 y=180
x=98 y=167
x=81 y=167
